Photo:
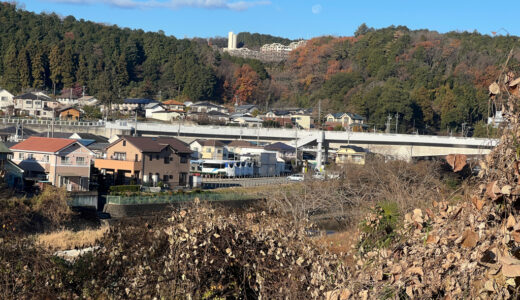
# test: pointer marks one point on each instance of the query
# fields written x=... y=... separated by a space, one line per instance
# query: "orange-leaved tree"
x=246 y=83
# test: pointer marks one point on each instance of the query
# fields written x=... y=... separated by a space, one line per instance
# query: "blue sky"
x=287 y=18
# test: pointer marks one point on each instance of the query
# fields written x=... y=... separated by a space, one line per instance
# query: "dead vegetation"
x=198 y=253
x=68 y=239
x=346 y=200
x=455 y=250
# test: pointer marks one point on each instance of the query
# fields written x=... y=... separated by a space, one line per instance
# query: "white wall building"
x=6 y=99
x=232 y=41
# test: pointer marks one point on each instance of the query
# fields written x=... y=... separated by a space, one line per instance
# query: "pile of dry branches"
x=454 y=250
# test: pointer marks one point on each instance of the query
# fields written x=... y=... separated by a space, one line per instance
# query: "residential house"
x=205 y=107
x=284 y=151
x=247 y=109
x=146 y=159
x=239 y=147
x=248 y=121
x=11 y=173
x=218 y=116
x=68 y=97
x=69 y=113
x=209 y=149
x=93 y=142
x=302 y=121
x=168 y=115
x=174 y=105
x=351 y=154
x=130 y=105
x=282 y=117
x=35 y=104
x=87 y=101
x=152 y=107
x=6 y=99
x=61 y=162
x=346 y=120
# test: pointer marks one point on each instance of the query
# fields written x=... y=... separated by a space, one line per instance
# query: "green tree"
x=10 y=78
x=40 y=67
x=24 y=69
x=55 y=66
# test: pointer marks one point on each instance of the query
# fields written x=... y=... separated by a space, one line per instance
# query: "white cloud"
x=316 y=9
x=172 y=4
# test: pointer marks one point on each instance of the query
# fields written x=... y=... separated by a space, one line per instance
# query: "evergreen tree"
x=39 y=68
x=10 y=79
x=55 y=66
x=24 y=69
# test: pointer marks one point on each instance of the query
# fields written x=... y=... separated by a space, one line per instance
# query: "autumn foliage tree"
x=246 y=83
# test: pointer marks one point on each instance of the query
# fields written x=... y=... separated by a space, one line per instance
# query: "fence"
x=50 y=122
x=179 y=198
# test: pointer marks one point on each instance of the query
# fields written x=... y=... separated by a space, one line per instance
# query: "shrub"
x=378 y=229
x=124 y=188
x=52 y=205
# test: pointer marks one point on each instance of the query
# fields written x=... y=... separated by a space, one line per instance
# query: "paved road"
x=245 y=182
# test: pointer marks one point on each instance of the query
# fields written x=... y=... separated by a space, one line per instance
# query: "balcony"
x=118 y=164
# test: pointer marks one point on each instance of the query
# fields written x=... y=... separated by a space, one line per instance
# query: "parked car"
x=296 y=177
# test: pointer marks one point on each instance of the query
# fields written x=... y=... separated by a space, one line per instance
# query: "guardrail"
x=99 y=123
x=178 y=198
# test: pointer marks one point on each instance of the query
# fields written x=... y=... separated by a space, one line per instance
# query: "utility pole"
x=135 y=122
x=396 y=121
x=319 y=113
x=296 y=145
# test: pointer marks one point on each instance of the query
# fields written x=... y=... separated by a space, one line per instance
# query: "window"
x=120 y=155
x=219 y=151
x=165 y=177
x=208 y=150
x=28 y=102
x=157 y=156
x=124 y=143
x=65 y=160
x=151 y=157
x=45 y=158
x=20 y=156
x=4 y=98
x=171 y=176
x=80 y=160
x=166 y=160
x=30 y=156
x=184 y=159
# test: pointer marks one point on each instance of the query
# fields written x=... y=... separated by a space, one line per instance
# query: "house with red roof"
x=174 y=105
x=58 y=161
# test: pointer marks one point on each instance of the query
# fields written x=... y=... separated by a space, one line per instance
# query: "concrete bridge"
x=402 y=146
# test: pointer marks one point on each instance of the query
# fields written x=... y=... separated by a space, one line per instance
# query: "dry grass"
x=67 y=239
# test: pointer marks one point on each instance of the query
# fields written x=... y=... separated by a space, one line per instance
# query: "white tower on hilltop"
x=232 y=41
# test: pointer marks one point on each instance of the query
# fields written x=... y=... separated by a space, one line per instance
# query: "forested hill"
x=431 y=81
x=46 y=51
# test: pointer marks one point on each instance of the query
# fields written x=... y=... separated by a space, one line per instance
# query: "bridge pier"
x=319 y=156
